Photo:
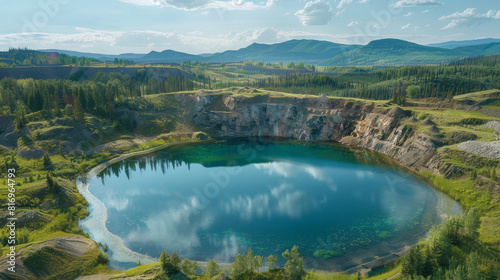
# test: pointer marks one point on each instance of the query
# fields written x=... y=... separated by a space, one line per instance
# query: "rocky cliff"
x=321 y=119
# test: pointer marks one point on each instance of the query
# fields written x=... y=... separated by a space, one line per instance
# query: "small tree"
x=412 y=263
x=188 y=267
x=212 y=269
x=166 y=263
x=471 y=225
x=46 y=161
x=249 y=258
x=412 y=91
x=257 y=262
x=68 y=110
x=271 y=261
x=79 y=114
x=294 y=266
x=428 y=263
x=52 y=186
x=239 y=266
x=175 y=260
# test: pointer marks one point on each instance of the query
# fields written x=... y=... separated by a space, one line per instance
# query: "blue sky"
x=207 y=26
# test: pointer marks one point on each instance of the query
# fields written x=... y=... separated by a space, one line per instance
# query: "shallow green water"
x=215 y=200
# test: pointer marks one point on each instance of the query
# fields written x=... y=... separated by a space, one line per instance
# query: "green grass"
x=476 y=96
x=447 y=116
x=142 y=269
x=462 y=190
x=325 y=275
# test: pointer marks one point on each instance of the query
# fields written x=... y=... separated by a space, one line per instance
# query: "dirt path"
x=394 y=276
x=121 y=144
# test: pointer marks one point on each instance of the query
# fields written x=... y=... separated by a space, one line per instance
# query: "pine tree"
x=294 y=266
x=164 y=260
x=239 y=266
x=188 y=267
x=271 y=261
x=212 y=269
x=52 y=185
x=473 y=267
x=47 y=163
x=175 y=260
x=79 y=114
x=412 y=263
x=249 y=258
x=257 y=262
x=428 y=263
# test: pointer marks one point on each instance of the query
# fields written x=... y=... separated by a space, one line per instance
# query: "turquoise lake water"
x=214 y=200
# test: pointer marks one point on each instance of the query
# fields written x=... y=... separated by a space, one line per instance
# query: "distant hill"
x=392 y=52
x=466 y=43
x=168 y=56
x=307 y=51
x=478 y=50
x=102 y=57
x=385 y=52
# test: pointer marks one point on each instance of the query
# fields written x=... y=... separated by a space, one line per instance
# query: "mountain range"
x=384 y=52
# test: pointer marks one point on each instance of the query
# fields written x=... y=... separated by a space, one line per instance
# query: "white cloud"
x=316 y=12
x=289 y=201
x=114 y=42
x=285 y=169
x=119 y=204
x=144 y=41
x=353 y=23
x=248 y=207
x=416 y=3
x=260 y=35
x=406 y=26
x=179 y=225
x=344 y=3
x=469 y=17
x=408 y=14
x=190 y=5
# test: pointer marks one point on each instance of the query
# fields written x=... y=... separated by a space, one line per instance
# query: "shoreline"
x=126 y=255
x=98 y=220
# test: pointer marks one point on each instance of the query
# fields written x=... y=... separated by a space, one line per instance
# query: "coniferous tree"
x=271 y=261
x=294 y=266
x=212 y=269
x=188 y=267
x=46 y=161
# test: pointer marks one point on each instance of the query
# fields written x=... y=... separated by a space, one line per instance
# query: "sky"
x=209 y=26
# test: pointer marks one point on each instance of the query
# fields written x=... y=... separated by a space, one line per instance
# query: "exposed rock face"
x=320 y=119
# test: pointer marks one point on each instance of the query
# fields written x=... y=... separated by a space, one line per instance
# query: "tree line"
x=245 y=266
x=384 y=84
x=99 y=95
x=25 y=56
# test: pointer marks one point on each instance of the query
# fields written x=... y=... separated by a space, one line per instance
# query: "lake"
x=342 y=206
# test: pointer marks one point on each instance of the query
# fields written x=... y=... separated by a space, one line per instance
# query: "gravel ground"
x=485 y=149
x=493 y=124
